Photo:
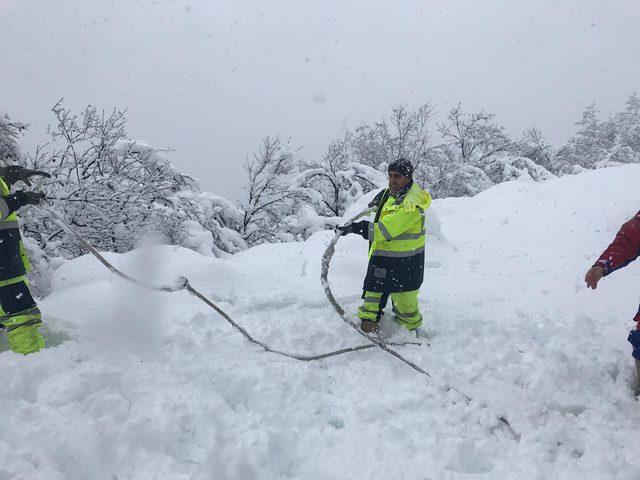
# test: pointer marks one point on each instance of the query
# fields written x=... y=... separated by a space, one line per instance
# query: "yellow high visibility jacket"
x=13 y=256
x=397 y=241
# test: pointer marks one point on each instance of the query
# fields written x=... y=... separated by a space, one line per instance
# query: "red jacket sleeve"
x=624 y=249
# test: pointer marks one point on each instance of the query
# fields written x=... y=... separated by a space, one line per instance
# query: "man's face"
x=397 y=182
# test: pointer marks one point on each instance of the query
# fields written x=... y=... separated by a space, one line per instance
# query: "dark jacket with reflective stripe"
x=396 y=242
x=13 y=256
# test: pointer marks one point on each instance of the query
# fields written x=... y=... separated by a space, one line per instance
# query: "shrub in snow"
x=467 y=180
x=507 y=167
x=473 y=158
x=335 y=183
x=115 y=192
x=269 y=199
x=534 y=146
x=404 y=134
x=603 y=143
x=475 y=138
x=9 y=132
x=590 y=144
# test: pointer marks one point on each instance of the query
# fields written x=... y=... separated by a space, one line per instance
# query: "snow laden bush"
x=289 y=199
x=269 y=201
x=534 y=146
x=10 y=130
x=335 y=183
x=354 y=166
x=603 y=143
x=474 y=138
x=315 y=211
x=404 y=135
x=476 y=154
x=505 y=168
x=117 y=192
x=10 y=154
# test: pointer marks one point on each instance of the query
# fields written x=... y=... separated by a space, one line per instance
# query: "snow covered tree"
x=116 y=191
x=335 y=183
x=456 y=167
x=10 y=130
x=626 y=147
x=505 y=168
x=534 y=146
x=437 y=172
x=474 y=137
x=444 y=174
x=478 y=154
x=601 y=143
x=209 y=224
x=405 y=135
x=269 y=199
x=590 y=145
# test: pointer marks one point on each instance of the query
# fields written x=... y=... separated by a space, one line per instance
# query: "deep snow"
x=146 y=385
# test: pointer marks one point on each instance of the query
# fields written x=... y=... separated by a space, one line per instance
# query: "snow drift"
x=142 y=385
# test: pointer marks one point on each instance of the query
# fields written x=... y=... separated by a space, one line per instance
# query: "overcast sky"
x=211 y=78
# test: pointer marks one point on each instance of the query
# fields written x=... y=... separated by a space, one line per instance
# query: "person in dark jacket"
x=19 y=314
x=624 y=249
x=396 y=250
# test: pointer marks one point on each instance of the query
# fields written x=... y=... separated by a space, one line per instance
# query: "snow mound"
x=141 y=384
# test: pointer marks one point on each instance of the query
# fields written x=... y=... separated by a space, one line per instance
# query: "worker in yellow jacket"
x=396 y=250
x=19 y=314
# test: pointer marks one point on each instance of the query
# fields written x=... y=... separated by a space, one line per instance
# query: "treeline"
x=117 y=192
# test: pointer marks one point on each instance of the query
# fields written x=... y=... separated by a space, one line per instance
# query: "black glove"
x=345 y=230
x=21 y=198
x=361 y=228
x=15 y=173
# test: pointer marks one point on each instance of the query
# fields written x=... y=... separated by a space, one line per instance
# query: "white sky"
x=211 y=78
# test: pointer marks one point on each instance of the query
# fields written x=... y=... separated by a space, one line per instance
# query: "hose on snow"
x=182 y=283
x=326 y=261
x=324 y=273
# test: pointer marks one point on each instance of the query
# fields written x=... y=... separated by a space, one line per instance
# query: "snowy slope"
x=152 y=385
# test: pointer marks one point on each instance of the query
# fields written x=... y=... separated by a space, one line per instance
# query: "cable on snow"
x=182 y=283
x=326 y=260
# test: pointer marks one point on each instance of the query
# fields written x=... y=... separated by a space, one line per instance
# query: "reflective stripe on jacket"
x=397 y=240
x=13 y=256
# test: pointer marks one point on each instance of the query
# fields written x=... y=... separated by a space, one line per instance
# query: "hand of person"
x=361 y=228
x=593 y=276
x=28 y=198
x=16 y=173
x=345 y=229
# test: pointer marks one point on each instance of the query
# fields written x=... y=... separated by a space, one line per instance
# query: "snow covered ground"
x=142 y=385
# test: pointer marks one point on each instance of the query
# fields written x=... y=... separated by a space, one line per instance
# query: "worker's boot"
x=421 y=333
x=369 y=326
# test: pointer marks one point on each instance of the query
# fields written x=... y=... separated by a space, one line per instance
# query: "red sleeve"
x=624 y=249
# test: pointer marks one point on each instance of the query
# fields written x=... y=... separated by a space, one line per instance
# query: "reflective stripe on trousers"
x=31 y=316
x=20 y=316
x=372 y=307
x=405 y=307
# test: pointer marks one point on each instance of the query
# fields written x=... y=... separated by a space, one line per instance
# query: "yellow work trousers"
x=405 y=307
